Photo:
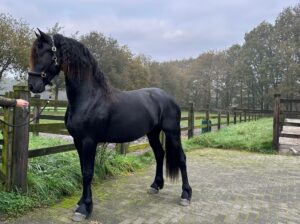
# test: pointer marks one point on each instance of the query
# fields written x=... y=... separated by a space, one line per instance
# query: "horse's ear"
x=36 y=34
x=43 y=36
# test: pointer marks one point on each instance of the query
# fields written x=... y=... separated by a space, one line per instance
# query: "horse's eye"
x=40 y=44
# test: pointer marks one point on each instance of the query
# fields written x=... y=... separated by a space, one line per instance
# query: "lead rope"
x=27 y=122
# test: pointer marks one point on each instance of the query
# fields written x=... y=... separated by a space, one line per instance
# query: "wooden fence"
x=284 y=108
x=15 y=150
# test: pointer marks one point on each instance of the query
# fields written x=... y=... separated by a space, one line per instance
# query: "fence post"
x=20 y=141
x=219 y=120
x=36 y=112
x=245 y=115
x=122 y=148
x=191 y=120
x=7 y=144
x=240 y=117
x=228 y=117
x=234 y=117
x=208 y=126
x=276 y=121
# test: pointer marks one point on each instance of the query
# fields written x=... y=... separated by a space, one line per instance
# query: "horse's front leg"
x=87 y=159
x=78 y=145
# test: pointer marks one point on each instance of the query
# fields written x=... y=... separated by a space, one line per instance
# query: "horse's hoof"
x=152 y=190
x=78 y=217
x=184 y=202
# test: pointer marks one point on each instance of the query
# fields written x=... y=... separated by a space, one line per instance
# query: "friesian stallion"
x=97 y=112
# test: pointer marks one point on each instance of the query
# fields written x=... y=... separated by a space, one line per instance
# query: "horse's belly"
x=122 y=138
x=126 y=132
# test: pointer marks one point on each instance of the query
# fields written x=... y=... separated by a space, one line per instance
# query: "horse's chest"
x=82 y=125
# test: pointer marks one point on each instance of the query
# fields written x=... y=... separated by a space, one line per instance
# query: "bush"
x=109 y=163
x=14 y=202
x=52 y=176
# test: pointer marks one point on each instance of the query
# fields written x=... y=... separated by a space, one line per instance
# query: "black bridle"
x=43 y=74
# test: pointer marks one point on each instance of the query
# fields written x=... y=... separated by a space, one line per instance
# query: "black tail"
x=173 y=152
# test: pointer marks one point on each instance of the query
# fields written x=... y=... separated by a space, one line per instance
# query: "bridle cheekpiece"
x=43 y=74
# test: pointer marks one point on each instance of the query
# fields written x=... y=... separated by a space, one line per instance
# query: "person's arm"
x=6 y=102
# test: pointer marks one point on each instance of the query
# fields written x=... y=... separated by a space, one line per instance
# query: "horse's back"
x=156 y=99
x=135 y=113
x=167 y=111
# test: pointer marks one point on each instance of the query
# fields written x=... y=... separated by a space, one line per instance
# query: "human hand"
x=22 y=103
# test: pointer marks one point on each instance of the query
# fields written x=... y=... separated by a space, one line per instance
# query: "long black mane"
x=76 y=61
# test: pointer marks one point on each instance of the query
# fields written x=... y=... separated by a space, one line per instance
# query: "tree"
x=201 y=83
x=170 y=76
x=136 y=74
x=287 y=36
x=233 y=80
x=111 y=57
x=258 y=56
x=15 y=42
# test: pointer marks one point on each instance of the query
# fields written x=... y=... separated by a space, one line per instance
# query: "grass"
x=38 y=142
x=255 y=136
x=54 y=176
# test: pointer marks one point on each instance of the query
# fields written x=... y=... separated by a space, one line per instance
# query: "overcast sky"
x=161 y=29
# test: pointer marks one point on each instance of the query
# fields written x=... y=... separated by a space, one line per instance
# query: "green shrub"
x=109 y=163
x=52 y=176
x=14 y=202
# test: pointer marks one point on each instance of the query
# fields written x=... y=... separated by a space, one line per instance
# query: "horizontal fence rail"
x=50 y=150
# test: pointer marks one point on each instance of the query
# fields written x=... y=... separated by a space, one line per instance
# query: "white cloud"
x=170 y=29
x=173 y=35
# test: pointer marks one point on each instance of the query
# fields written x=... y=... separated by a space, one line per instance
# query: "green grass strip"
x=255 y=136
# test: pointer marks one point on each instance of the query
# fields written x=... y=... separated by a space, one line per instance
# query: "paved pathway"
x=228 y=187
x=290 y=143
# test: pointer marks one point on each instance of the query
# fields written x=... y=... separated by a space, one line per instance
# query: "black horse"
x=99 y=113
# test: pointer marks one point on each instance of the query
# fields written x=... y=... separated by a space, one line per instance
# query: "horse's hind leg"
x=176 y=157
x=159 y=154
x=186 y=195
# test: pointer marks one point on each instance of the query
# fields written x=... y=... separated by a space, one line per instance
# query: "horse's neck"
x=80 y=88
x=80 y=92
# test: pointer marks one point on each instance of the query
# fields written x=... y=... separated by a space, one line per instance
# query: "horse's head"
x=43 y=63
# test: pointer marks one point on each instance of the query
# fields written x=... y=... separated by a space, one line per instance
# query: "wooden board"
x=50 y=150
